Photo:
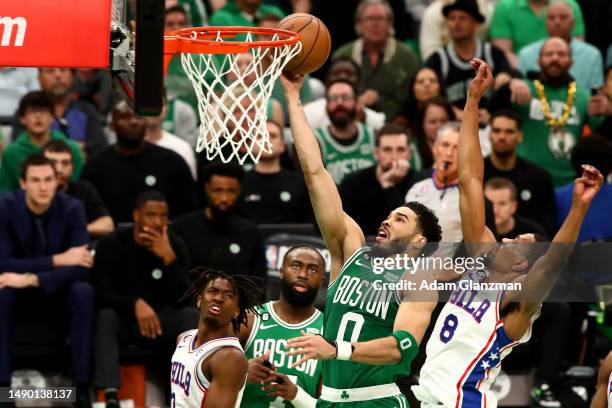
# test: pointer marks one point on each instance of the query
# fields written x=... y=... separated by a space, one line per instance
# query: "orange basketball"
x=315 y=39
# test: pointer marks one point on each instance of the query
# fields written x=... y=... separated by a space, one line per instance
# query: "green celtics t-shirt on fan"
x=542 y=144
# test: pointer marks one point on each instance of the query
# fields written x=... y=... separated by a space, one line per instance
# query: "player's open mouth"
x=382 y=234
x=300 y=287
x=215 y=309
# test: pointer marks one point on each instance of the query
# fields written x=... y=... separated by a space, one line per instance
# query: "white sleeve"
x=303 y=399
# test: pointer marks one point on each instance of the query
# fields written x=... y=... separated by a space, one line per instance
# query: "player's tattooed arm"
x=226 y=369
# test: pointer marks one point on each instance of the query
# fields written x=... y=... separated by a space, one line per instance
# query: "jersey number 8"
x=449 y=327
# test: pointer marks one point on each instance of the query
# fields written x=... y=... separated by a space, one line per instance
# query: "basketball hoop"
x=233 y=81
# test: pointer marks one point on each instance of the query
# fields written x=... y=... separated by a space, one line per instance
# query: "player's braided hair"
x=247 y=288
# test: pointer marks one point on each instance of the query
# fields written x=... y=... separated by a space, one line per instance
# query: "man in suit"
x=44 y=259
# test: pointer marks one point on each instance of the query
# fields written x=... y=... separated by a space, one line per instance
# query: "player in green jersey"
x=265 y=338
x=371 y=334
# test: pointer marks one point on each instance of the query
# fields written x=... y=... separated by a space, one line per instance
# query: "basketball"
x=315 y=39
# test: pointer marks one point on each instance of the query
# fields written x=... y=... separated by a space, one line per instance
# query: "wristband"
x=303 y=399
x=407 y=345
x=344 y=350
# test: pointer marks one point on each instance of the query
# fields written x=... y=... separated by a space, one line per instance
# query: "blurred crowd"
x=103 y=213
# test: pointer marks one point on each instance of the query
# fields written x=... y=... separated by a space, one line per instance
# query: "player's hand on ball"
x=483 y=81
x=292 y=83
x=279 y=385
x=260 y=369
x=310 y=347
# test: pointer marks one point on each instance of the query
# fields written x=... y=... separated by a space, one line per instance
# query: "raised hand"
x=259 y=371
x=483 y=81
x=587 y=185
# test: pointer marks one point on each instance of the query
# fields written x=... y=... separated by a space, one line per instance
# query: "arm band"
x=407 y=345
x=303 y=399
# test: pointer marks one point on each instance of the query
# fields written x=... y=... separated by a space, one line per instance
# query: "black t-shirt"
x=125 y=271
x=275 y=198
x=120 y=179
x=234 y=246
x=457 y=74
x=364 y=199
x=89 y=196
x=523 y=226
x=535 y=191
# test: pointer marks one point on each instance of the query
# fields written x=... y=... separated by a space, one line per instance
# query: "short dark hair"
x=296 y=247
x=429 y=224
x=149 y=195
x=507 y=113
x=57 y=146
x=36 y=159
x=329 y=84
x=595 y=150
x=346 y=59
x=500 y=183
x=391 y=129
x=222 y=169
x=36 y=99
x=177 y=8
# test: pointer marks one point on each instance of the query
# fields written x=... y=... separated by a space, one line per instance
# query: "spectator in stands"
x=94 y=86
x=176 y=80
x=553 y=110
x=503 y=195
x=43 y=246
x=156 y=135
x=78 y=120
x=14 y=84
x=99 y=221
x=346 y=69
x=440 y=190
x=132 y=165
x=431 y=116
x=35 y=113
x=601 y=104
x=386 y=64
x=140 y=274
x=434 y=28
x=452 y=62
x=370 y=194
x=423 y=86
x=271 y=194
x=243 y=13
x=181 y=120
x=587 y=68
x=347 y=145
x=216 y=236
x=196 y=9
x=516 y=24
x=533 y=185
x=597 y=151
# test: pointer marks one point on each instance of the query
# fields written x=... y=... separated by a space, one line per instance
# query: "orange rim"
x=183 y=41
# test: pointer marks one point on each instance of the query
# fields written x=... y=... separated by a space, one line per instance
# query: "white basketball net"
x=233 y=92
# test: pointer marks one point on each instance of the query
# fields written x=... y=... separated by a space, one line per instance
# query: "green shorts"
x=398 y=401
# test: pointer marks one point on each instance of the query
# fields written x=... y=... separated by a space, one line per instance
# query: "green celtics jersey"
x=359 y=308
x=340 y=160
x=547 y=147
x=271 y=333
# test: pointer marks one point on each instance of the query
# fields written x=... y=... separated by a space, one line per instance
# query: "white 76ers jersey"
x=187 y=381
x=465 y=350
x=610 y=390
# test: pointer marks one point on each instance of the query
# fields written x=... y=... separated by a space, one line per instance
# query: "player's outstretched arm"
x=341 y=234
x=470 y=162
x=541 y=278
x=409 y=327
x=600 y=398
x=228 y=368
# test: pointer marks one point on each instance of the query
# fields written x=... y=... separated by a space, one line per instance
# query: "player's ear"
x=419 y=241
x=199 y=301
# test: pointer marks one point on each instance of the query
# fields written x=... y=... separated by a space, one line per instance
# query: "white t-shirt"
x=443 y=202
x=178 y=145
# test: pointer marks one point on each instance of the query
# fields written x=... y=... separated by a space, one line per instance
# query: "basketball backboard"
x=90 y=34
